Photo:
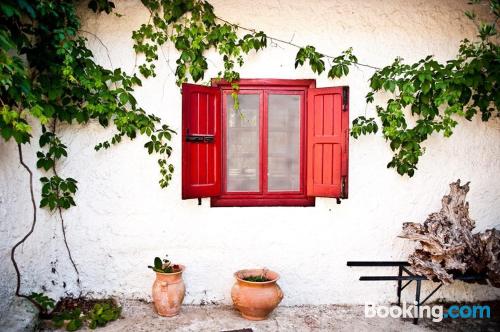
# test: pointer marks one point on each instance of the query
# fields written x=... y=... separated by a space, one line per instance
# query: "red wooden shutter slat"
x=201 y=160
x=202 y=129
x=210 y=156
x=327 y=142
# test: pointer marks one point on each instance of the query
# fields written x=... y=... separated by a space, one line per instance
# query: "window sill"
x=227 y=201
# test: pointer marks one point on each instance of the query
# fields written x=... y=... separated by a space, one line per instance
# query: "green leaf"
x=345 y=69
x=74 y=324
x=158 y=263
x=8 y=10
x=426 y=86
x=58 y=322
x=124 y=98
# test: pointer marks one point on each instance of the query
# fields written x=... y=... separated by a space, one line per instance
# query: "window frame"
x=264 y=87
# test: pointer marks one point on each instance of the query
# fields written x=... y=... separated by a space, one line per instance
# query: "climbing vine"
x=48 y=76
x=429 y=96
x=429 y=93
x=193 y=28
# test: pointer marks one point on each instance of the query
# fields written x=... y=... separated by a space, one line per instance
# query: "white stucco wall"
x=123 y=218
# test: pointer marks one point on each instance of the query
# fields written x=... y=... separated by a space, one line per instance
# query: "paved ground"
x=139 y=316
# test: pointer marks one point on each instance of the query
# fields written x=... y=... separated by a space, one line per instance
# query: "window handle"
x=200 y=138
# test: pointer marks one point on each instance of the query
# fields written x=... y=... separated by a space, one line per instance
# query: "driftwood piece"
x=446 y=245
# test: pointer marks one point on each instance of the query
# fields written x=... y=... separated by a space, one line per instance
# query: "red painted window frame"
x=264 y=86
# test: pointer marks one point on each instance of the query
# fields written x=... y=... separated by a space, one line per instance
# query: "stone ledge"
x=139 y=316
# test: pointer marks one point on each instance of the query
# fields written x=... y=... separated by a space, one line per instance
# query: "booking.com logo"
x=436 y=312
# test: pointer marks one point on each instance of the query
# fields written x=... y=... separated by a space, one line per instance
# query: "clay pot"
x=168 y=292
x=256 y=300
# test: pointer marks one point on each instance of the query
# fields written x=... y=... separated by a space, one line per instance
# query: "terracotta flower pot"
x=256 y=300
x=168 y=292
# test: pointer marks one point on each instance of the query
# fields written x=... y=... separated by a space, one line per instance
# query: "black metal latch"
x=342 y=190
x=200 y=138
x=343 y=193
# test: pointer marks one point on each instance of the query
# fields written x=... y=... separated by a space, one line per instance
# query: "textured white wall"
x=123 y=218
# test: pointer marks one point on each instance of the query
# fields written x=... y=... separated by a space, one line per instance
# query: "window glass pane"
x=243 y=144
x=283 y=143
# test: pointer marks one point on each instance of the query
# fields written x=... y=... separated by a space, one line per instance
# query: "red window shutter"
x=327 y=142
x=201 y=141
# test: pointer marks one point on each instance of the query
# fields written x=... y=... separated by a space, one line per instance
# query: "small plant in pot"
x=256 y=294
x=168 y=288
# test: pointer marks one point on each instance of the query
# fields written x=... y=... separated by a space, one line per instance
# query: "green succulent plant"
x=256 y=279
x=164 y=266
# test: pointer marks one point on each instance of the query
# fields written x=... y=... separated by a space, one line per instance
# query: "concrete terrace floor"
x=139 y=316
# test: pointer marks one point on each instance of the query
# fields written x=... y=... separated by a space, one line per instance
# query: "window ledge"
x=245 y=202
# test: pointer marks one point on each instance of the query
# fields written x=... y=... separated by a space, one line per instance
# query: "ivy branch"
x=57 y=193
x=192 y=27
x=426 y=92
x=433 y=95
x=48 y=74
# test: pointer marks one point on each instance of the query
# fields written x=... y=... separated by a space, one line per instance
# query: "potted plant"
x=256 y=294
x=168 y=288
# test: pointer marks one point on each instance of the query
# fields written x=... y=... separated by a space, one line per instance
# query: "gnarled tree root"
x=446 y=245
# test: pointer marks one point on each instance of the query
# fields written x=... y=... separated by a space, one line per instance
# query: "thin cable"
x=287 y=42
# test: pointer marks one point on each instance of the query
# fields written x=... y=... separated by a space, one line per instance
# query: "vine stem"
x=288 y=42
x=25 y=237
x=63 y=227
x=102 y=44
x=106 y=49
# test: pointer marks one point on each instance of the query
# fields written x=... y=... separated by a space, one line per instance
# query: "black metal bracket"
x=200 y=138
x=345 y=98
x=409 y=278
x=342 y=189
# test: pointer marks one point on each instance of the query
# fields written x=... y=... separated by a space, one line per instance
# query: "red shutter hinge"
x=345 y=98
x=342 y=190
